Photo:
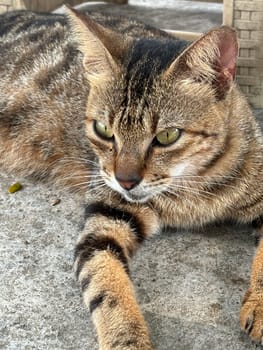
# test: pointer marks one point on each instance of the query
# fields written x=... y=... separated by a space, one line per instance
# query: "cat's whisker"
x=73 y=160
x=98 y=186
x=164 y=196
x=101 y=191
x=75 y=185
x=91 y=177
x=195 y=189
x=193 y=194
x=189 y=182
x=96 y=183
x=74 y=181
x=197 y=192
x=180 y=186
x=203 y=177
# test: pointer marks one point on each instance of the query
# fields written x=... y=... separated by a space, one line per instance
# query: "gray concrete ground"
x=189 y=284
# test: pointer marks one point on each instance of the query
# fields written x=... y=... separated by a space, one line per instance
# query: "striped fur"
x=102 y=256
x=62 y=77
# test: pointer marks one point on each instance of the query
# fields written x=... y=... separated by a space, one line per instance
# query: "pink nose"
x=128 y=183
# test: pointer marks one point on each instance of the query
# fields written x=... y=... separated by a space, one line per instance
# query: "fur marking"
x=117 y=214
x=92 y=244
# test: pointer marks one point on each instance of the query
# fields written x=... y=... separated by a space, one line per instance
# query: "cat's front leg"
x=251 y=316
x=102 y=255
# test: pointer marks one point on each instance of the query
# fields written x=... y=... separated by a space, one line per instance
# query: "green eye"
x=168 y=136
x=103 y=130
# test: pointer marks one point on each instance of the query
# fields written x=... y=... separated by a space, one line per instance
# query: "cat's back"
x=41 y=85
x=32 y=34
x=32 y=44
x=36 y=47
x=40 y=59
x=17 y=23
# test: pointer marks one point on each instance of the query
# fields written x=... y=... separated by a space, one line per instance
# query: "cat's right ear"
x=102 y=48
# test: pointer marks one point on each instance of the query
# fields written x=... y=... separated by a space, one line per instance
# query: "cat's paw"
x=251 y=315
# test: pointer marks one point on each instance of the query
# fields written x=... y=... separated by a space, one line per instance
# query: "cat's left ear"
x=102 y=48
x=210 y=59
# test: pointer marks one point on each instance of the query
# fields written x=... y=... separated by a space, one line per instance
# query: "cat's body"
x=153 y=131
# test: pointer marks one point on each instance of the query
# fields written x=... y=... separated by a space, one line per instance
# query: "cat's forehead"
x=135 y=117
x=146 y=61
x=148 y=57
x=140 y=99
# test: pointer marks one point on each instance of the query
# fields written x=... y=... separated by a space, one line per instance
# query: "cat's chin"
x=136 y=199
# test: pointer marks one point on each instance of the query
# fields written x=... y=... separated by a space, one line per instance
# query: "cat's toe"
x=251 y=316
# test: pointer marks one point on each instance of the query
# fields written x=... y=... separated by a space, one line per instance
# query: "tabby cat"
x=151 y=129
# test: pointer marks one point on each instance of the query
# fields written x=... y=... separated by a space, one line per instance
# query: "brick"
x=248 y=44
x=252 y=71
x=257 y=16
x=248 y=80
x=244 y=70
x=244 y=88
x=237 y=14
x=256 y=101
x=248 y=5
x=245 y=15
x=249 y=25
x=256 y=35
x=256 y=90
x=250 y=62
x=244 y=52
x=244 y=34
x=259 y=52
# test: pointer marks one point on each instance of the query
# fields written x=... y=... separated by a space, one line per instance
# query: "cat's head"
x=158 y=111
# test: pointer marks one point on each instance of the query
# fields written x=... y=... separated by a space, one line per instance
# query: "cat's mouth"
x=137 y=195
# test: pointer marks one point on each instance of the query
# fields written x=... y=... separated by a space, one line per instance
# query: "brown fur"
x=138 y=82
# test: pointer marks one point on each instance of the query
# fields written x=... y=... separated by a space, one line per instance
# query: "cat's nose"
x=129 y=182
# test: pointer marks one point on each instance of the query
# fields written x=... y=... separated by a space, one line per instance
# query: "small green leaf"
x=15 y=187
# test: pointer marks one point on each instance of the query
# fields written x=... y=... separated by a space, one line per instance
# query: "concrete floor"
x=189 y=284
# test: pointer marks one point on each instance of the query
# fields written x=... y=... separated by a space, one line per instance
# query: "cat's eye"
x=103 y=130
x=167 y=137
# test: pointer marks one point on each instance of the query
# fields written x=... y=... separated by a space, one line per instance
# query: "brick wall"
x=248 y=21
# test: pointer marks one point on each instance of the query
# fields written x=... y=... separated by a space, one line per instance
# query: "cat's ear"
x=210 y=59
x=102 y=48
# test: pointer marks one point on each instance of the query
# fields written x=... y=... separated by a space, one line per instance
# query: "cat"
x=152 y=130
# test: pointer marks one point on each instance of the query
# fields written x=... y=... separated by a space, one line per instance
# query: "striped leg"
x=251 y=316
x=102 y=256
